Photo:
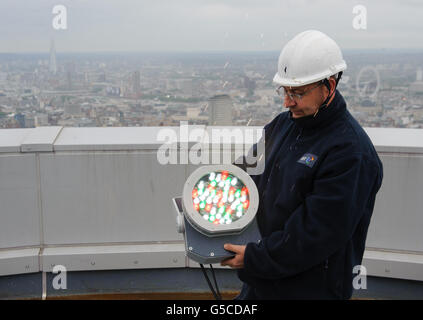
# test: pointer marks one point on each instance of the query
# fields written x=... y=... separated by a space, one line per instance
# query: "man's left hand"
x=236 y=262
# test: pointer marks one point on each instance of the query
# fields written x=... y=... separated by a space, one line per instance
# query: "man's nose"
x=288 y=102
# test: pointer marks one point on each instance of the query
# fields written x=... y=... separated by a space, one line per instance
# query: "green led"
x=222 y=209
x=202 y=204
x=237 y=193
x=213 y=183
x=212 y=218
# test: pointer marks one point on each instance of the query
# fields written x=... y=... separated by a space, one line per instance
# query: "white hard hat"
x=309 y=57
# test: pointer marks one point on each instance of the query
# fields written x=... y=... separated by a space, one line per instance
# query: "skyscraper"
x=53 y=65
x=220 y=110
x=136 y=84
x=419 y=74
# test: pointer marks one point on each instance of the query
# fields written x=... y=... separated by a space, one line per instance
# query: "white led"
x=243 y=198
x=213 y=210
x=212 y=176
x=234 y=181
x=215 y=199
x=209 y=200
x=206 y=217
x=221 y=183
x=218 y=177
x=231 y=198
x=196 y=201
x=239 y=214
x=218 y=216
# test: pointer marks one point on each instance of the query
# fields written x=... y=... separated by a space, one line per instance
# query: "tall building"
x=136 y=84
x=220 y=110
x=68 y=80
x=53 y=64
x=417 y=86
x=419 y=74
x=70 y=72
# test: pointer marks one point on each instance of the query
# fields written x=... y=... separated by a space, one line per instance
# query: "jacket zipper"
x=299 y=135
x=292 y=147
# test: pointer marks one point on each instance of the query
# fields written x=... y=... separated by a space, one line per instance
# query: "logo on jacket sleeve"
x=308 y=159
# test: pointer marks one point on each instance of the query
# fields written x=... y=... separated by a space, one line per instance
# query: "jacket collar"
x=325 y=115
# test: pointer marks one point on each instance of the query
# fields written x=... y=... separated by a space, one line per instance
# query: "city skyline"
x=382 y=88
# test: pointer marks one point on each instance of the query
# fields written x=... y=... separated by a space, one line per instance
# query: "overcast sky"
x=204 y=25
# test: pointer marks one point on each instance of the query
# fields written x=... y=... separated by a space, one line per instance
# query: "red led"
x=208 y=207
x=196 y=206
x=246 y=204
x=220 y=203
x=232 y=190
x=244 y=191
x=195 y=193
x=224 y=175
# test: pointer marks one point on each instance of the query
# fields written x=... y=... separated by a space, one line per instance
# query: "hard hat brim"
x=292 y=82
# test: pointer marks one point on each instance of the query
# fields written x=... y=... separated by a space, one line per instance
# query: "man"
x=318 y=189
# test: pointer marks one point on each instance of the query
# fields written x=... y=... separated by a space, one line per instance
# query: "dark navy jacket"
x=317 y=194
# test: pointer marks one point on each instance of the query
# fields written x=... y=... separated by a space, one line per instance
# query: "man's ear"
x=332 y=83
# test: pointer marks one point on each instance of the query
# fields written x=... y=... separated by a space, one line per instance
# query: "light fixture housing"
x=205 y=194
x=204 y=239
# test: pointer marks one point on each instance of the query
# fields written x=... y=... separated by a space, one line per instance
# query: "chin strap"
x=327 y=84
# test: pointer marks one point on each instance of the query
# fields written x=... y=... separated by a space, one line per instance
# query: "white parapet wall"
x=99 y=199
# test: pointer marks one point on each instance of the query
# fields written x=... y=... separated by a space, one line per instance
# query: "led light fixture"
x=218 y=206
x=220 y=200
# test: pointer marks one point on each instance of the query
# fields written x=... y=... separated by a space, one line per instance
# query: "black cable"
x=208 y=282
x=216 y=296
x=215 y=283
